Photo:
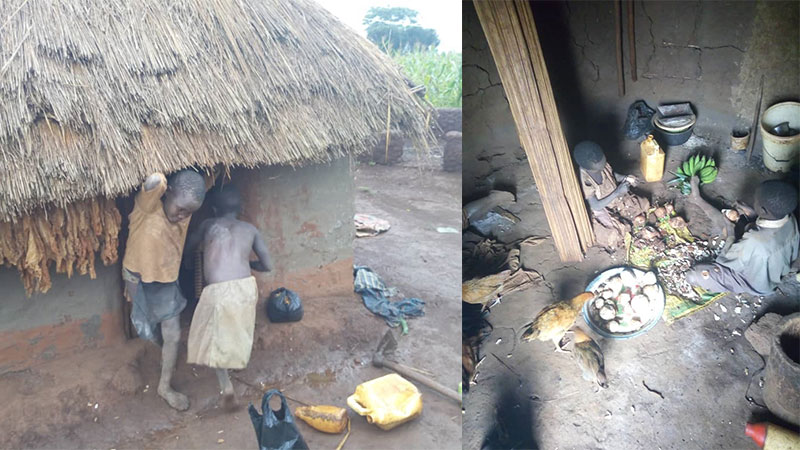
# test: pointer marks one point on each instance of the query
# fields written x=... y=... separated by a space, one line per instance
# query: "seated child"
x=755 y=263
x=152 y=260
x=221 y=334
x=607 y=194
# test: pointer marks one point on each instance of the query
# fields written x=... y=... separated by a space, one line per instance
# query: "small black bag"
x=639 y=121
x=284 y=305
x=276 y=430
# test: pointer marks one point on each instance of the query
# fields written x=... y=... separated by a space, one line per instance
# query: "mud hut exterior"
x=96 y=96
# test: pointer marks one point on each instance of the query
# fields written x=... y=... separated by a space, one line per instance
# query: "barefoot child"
x=158 y=225
x=607 y=194
x=221 y=334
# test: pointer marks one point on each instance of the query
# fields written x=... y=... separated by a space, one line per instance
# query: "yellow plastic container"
x=652 y=160
x=325 y=418
x=387 y=401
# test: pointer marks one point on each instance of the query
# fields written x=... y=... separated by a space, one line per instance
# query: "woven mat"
x=676 y=306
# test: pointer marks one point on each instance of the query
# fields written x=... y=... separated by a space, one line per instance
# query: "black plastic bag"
x=284 y=305
x=639 y=121
x=276 y=430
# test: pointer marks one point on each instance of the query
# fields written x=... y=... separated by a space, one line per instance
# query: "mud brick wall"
x=75 y=313
x=305 y=215
x=709 y=53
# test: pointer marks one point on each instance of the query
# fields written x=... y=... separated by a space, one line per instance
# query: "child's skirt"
x=221 y=334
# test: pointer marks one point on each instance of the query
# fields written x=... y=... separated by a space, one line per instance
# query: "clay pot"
x=781 y=387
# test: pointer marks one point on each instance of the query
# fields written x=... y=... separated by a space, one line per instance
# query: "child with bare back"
x=221 y=334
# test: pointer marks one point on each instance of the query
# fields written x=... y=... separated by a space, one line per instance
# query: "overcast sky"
x=444 y=16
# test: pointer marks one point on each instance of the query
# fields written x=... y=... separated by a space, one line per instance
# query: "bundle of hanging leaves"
x=67 y=239
x=703 y=167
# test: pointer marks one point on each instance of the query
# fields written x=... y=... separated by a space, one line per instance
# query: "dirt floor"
x=684 y=386
x=107 y=398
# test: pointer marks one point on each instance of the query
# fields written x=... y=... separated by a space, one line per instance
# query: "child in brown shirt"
x=158 y=224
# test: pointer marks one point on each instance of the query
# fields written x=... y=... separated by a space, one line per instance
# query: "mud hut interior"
x=694 y=379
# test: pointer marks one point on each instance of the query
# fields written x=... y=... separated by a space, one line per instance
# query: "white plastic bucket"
x=780 y=153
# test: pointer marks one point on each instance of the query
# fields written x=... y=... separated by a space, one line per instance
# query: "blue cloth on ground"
x=374 y=293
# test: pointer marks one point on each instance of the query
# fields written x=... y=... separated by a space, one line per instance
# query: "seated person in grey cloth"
x=226 y=243
x=755 y=263
x=606 y=192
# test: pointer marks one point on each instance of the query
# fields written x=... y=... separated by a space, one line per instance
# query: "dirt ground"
x=107 y=399
x=684 y=386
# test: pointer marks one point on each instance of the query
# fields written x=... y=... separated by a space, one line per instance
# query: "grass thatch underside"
x=94 y=96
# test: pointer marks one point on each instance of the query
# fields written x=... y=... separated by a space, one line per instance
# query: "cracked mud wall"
x=305 y=214
x=491 y=147
x=709 y=53
x=306 y=217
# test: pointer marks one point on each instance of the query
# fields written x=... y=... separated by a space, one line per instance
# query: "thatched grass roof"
x=95 y=95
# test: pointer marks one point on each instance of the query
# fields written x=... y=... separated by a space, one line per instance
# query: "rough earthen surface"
x=451 y=158
x=127 y=379
x=448 y=119
x=760 y=333
x=381 y=154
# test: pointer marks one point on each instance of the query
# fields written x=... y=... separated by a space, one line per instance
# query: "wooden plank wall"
x=514 y=43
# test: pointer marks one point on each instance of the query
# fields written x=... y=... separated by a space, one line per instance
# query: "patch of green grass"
x=439 y=72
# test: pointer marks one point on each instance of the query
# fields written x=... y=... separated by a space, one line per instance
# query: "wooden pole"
x=754 y=128
x=514 y=43
x=620 y=67
x=631 y=39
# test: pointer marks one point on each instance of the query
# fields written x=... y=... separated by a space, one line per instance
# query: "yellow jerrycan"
x=387 y=401
x=652 y=160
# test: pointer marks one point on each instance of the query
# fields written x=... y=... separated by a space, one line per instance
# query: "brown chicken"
x=483 y=290
x=589 y=357
x=554 y=320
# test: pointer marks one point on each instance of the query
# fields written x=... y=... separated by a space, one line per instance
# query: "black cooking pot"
x=670 y=139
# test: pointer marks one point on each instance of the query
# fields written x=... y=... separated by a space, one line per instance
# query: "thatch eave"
x=93 y=100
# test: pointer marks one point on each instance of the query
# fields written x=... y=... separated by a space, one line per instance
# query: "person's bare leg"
x=229 y=400
x=171 y=332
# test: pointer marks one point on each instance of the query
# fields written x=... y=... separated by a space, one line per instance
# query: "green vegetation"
x=397 y=28
x=704 y=168
x=439 y=72
x=396 y=32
